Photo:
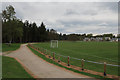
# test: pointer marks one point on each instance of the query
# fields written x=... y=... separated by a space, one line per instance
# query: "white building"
x=86 y=39
x=107 y=38
x=114 y=39
x=93 y=39
x=99 y=39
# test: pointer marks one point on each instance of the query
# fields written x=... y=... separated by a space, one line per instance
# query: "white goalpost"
x=54 y=44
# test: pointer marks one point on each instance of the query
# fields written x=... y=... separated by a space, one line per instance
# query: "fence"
x=81 y=64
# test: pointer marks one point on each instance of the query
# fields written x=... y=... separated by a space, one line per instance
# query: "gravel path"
x=39 y=67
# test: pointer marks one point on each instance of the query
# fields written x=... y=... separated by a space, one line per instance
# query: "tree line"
x=14 y=30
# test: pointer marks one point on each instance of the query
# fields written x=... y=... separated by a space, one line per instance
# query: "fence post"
x=105 y=69
x=53 y=56
x=82 y=64
x=59 y=59
x=68 y=61
x=49 y=55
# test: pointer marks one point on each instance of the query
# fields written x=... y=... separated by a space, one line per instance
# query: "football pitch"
x=91 y=52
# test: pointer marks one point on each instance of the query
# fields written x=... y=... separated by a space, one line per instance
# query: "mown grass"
x=92 y=51
x=12 y=47
x=53 y=62
x=12 y=69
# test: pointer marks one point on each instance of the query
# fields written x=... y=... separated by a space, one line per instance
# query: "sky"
x=70 y=17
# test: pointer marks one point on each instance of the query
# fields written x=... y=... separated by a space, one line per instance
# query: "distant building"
x=93 y=39
x=99 y=39
x=86 y=39
x=114 y=39
x=107 y=38
x=118 y=39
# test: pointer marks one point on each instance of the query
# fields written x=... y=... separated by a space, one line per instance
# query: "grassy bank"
x=12 y=69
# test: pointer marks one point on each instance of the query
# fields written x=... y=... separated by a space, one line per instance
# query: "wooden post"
x=59 y=59
x=53 y=56
x=49 y=55
x=82 y=63
x=105 y=69
x=68 y=61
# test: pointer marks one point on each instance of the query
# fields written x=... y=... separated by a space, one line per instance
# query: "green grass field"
x=12 y=47
x=92 y=51
x=12 y=69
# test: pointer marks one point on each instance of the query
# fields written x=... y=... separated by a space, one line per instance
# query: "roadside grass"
x=53 y=62
x=92 y=51
x=12 y=47
x=12 y=69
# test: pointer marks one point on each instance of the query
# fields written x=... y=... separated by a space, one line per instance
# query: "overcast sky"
x=70 y=17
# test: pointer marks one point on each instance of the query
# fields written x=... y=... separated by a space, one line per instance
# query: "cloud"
x=70 y=17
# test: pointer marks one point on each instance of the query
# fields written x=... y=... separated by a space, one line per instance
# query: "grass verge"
x=12 y=69
x=51 y=61
x=12 y=47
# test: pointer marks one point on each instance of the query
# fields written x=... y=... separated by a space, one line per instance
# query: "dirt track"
x=39 y=67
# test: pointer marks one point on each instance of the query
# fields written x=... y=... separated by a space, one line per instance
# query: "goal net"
x=54 y=44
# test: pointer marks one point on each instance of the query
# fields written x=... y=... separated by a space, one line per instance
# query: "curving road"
x=39 y=67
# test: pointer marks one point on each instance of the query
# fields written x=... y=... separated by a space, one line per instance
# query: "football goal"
x=54 y=44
